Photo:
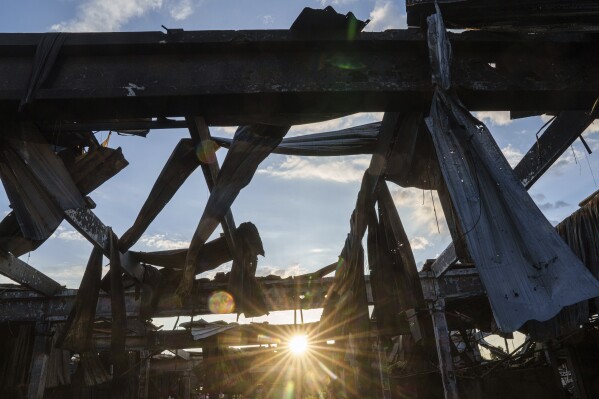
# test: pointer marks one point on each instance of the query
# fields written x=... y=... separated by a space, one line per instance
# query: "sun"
x=298 y=344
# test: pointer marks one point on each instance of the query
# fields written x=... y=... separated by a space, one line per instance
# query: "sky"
x=301 y=205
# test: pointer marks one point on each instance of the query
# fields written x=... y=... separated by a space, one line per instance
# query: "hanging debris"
x=527 y=269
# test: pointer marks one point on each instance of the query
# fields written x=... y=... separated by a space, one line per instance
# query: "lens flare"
x=298 y=344
x=206 y=151
x=221 y=302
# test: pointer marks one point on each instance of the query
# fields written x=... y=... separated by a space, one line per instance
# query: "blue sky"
x=301 y=206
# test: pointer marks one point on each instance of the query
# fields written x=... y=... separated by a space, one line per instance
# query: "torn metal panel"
x=37 y=183
x=11 y=237
x=528 y=271
x=345 y=309
x=327 y=21
x=180 y=165
x=412 y=162
x=88 y=170
x=355 y=140
x=581 y=232
x=95 y=167
x=243 y=285
x=562 y=132
x=251 y=145
x=78 y=330
x=402 y=258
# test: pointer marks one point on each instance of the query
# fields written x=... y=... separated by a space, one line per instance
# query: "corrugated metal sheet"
x=37 y=183
x=527 y=269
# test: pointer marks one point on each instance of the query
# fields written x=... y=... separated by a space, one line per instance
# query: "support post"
x=39 y=361
x=573 y=365
x=384 y=376
x=144 y=374
x=187 y=385
x=554 y=362
x=441 y=330
x=200 y=134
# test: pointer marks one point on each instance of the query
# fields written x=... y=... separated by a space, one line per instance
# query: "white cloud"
x=68 y=275
x=268 y=20
x=325 y=3
x=416 y=209
x=161 y=242
x=320 y=250
x=180 y=10
x=223 y=130
x=293 y=270
x=67 y=235
x=512 y=155
x=106 y=15
x=347 y=169
x=418 y=243
x=570 y=156
x=497 y=118
x=547 y=206
x=387 y=14
x=594 y=128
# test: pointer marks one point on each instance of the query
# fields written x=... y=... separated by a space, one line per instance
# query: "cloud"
x=512 y=155
x=417 y=210
x=593 y=128
x=497 y=118
x=106 y=15
x=294 y=269
x=268 y=20
x=418 y=243
x=161 y=242
x=180 y=10
x=348 y=169
x=547 y=206
x=223 y=130
x=325 y=3
x=570 y=156
x=62 y=233
x=68 y=275
x=387 y=14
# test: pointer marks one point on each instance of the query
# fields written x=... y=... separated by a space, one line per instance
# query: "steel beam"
x=281 y=76
x=560 y=134
x=23 y=305
x=93 y=229
x=21 y=272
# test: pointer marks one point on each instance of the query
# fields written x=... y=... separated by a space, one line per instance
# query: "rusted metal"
x=19 y=271
x=271 y=75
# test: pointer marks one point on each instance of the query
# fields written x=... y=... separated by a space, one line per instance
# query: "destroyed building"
x=508 y=269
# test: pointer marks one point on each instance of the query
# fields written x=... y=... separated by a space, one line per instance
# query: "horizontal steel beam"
x=285 y=294
x=281 y=76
